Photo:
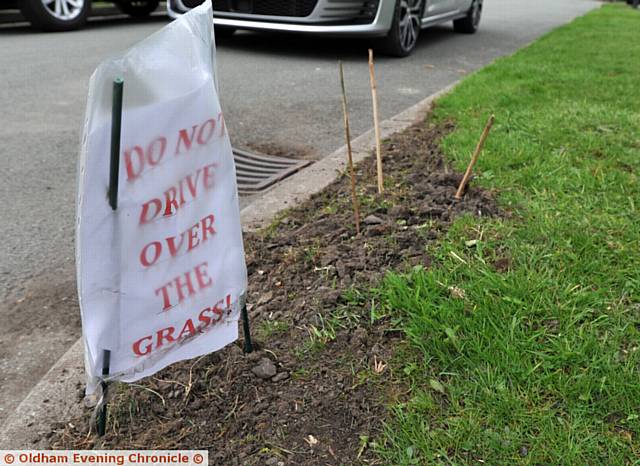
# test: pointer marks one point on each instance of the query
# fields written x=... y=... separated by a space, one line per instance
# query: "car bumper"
x=342 y=30
x=328 y=17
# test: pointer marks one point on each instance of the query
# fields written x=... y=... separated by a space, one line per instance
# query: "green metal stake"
x=112 y=194
x=116 y=131
x=248 y=345
x=102 y=419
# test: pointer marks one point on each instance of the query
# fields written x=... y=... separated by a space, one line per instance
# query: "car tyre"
x=471 y=22
x=405 y=29
x=138 y=8
x=223 y=32
x=56 y=15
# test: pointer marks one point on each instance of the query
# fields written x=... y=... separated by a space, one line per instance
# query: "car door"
x=179 y=7
x=436 y=8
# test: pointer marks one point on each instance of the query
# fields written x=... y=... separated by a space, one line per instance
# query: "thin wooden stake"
x=376 y=121
x=347 y=134
x=474 y=158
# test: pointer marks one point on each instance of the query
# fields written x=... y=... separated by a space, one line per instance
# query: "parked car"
x=64 y=15
x=395 y=23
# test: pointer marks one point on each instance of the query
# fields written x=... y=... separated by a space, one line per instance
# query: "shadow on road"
x=301 y=46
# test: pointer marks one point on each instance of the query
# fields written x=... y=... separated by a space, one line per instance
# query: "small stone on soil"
x=360 y=336
x=254 y=356
x=265 y=298
x=280 y=376
x=330 y=295
x=265 y=369
x=372 y=220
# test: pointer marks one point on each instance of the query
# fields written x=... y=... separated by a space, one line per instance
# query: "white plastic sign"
x=163 y=277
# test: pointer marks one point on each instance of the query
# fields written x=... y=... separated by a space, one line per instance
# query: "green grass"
x=537 y=364
x=270 y=328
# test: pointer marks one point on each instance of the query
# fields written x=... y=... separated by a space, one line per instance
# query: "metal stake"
x=102 y=419
x=248 y=345
x=116 y=130
x=112 y=194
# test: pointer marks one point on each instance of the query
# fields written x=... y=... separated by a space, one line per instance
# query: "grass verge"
x=523 y=336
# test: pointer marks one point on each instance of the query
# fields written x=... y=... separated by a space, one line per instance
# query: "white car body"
x=332 y=17
x=396 y=22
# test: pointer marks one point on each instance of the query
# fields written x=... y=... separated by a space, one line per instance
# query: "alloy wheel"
x=410 y=22
x=64 y=10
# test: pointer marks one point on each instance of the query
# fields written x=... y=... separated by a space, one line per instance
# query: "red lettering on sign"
x=182 y=286
x=156 y=248
x=205 y=133
x=137 y=346
x=171 y=243
x=196 y=235
x=188 y=327
x=136 y=159
x=202 y=134
x=170 y=201
x=207 y=317
x=169 y=204
x=185 y=139
x=204 y=319
x=134 y=162
x=166 y=334
x=155 y=151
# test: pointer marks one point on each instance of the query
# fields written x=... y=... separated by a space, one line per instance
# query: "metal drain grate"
x=256 y=173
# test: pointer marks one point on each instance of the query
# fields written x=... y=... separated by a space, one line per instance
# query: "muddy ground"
x=315 y=390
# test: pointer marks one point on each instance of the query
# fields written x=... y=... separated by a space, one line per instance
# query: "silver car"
x=397 y=23
x=65 y=15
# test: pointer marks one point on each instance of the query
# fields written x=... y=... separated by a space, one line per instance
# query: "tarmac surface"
x=280 y=95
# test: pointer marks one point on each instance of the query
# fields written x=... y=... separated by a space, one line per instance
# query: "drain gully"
x=255 y=173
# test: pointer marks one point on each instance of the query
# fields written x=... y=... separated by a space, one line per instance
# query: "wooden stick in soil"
x=376 y=121
x=474 y=158
x=347 y=133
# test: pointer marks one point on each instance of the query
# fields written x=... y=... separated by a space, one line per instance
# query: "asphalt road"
x=280 y=94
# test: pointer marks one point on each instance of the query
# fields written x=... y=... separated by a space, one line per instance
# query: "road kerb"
x=313 y=179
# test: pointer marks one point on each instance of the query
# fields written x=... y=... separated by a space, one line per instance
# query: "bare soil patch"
x=316 y=387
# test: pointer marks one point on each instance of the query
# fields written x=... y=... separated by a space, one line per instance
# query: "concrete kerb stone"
x=56 y=397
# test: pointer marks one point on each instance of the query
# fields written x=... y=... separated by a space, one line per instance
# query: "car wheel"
x=223 y=32
x=138 y=8
x=470 y=23
x=405 y=29
x=56 y=15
